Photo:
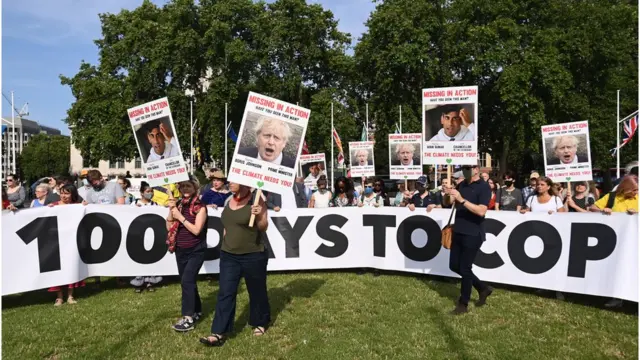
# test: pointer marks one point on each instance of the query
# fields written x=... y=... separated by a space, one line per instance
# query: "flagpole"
x=367 y=122
x=226 y=135
x=191 y=151
x=332 y=143
x=618 y=136
x=13 y=134
x=400 y=106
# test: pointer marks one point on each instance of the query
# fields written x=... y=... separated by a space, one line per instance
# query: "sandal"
x=71 y=300
x=258 y=331
x=219 y=340
x=59 y=302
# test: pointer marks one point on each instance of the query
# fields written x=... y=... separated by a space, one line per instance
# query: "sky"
x=42 y=39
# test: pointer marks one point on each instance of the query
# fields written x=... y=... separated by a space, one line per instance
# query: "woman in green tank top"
x=242 y=254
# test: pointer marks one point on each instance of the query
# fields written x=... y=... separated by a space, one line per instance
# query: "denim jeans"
x=190 y=261
x=463 y=252
x=253 y=267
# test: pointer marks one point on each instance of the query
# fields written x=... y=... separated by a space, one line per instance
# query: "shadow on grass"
x=443 y=323
x=279 y=299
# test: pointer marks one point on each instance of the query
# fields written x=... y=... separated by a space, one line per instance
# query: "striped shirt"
x=184 y=238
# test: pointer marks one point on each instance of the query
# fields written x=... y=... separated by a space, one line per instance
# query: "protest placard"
x=361 y=158
x=405 y=156
x=566 y=151
x=312 y=166
x=157 y=142
x=450 y=124
x=269 y=144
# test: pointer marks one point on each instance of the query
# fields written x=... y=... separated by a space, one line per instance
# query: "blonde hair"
x=409 y=145
x=267 y=121
x=44 y=187
x=556 y=140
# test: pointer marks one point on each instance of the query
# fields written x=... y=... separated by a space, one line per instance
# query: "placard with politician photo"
x=312 y=167
x=157 y=142
x=269 y=144
x=450 y=123
x=405 y=156
x=361 y=158
x=566 y=149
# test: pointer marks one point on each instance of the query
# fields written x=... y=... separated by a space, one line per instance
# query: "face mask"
x=98 y=187
x=420 y=188
x=508 y=183
x=368 y=191
x=467 y=173
x=147 y=196
x=85 y=182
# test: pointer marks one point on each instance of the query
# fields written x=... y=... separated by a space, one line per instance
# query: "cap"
x=218 y=175
x=84 y=172
x=457 y=175
x=534 y=175
x=422 y=180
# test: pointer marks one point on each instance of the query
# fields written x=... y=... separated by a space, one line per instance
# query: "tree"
x=45 y=155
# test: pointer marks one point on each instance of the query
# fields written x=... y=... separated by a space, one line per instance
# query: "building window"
x=138 y=163
x=120 y=164
x=86 y=163
x=112 y=164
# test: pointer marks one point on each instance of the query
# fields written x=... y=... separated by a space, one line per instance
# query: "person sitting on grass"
x=68 y=196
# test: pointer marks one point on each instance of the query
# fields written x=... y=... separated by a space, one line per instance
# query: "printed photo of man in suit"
x=405 y=155
x=565 y=150
x=361 y=158
x=271 y=139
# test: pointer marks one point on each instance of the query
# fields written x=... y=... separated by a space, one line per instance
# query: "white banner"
x=580 y=253
x=269 y=144
x=312 y=166
x=405 y=156
x=361 y=158
x=450 y=125
x=157 y=142
x=566 y=149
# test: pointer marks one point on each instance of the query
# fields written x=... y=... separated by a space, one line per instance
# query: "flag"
x=336 y=138
x=629 y=126
x=4 y=128
x=232 y=134
x=397 y=129
x=305 y=148
x=363 y=136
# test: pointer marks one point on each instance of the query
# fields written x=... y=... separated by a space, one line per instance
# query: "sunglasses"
x=9 y=180
x=368 y=186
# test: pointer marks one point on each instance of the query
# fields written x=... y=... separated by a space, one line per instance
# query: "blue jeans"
x=253 y=267
x=463 y=252
x=190 y=261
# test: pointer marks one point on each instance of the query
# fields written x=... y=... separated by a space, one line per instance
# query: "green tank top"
x=240 y=238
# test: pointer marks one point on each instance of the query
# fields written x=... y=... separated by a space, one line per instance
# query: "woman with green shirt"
x=242 y=254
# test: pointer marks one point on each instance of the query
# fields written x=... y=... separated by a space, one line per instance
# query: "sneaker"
x=196 y=317
x=183 y=325
x=460 y=309
x=482 y=298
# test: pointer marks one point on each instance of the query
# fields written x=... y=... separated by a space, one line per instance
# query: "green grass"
x=322 y=315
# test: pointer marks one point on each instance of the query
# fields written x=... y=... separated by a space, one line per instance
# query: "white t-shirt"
x=371 y=201
x=321 y=201
x=552 y=205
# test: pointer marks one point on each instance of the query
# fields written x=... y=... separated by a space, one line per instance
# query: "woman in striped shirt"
x=187 y=236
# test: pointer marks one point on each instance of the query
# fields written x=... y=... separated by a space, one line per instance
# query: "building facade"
x=25 y=129
x=108 y=169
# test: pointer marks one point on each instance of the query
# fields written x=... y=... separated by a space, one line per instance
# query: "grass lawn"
x=322 y=315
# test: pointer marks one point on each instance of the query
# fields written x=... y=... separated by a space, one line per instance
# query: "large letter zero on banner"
x=135 y=239
x=45 y=229
x=581 y=252
x=552 y=246
x=408 y=226
x=111 y=238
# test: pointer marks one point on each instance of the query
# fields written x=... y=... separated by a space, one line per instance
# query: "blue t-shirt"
x=468 y=223
x=212 y=197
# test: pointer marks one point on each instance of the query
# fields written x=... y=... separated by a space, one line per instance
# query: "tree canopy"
x=44 y=155
x=535 y=62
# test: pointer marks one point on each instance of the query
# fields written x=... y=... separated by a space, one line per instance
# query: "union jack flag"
x=629 y=126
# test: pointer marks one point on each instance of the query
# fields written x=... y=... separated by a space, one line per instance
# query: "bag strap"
x=611 y=200
x=453 y=211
